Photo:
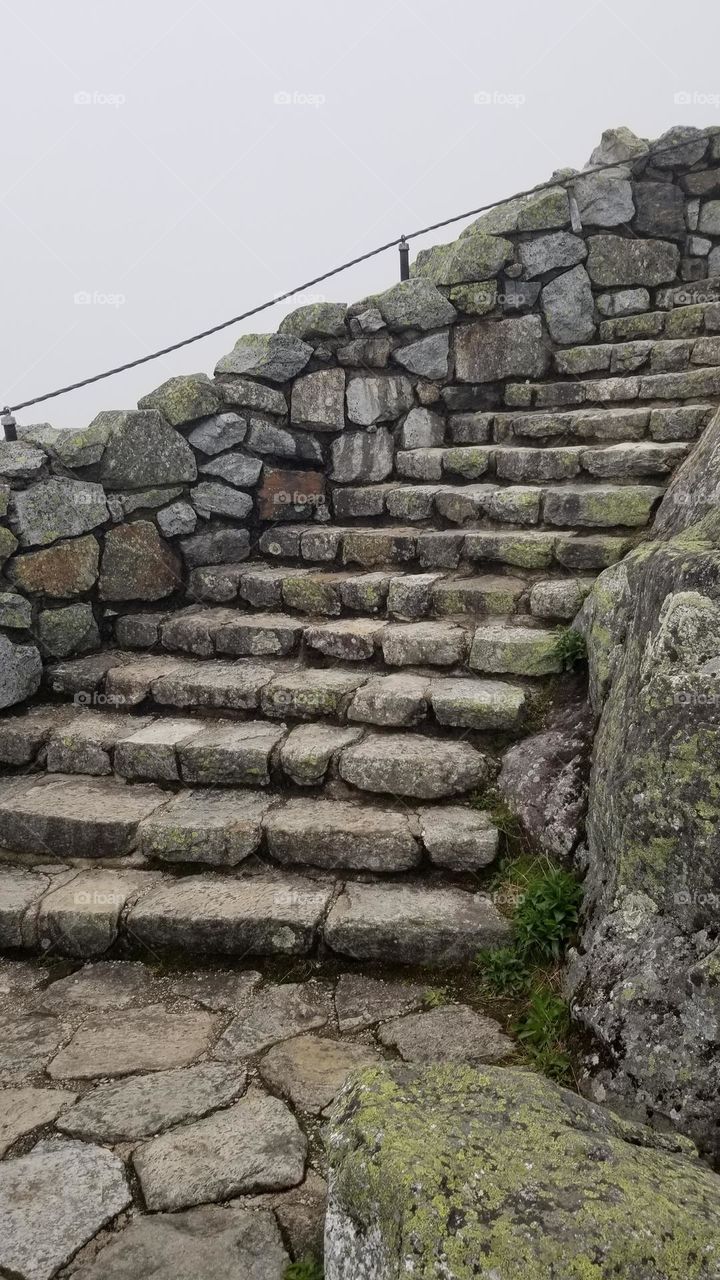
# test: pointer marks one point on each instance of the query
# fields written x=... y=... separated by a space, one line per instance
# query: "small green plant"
x=305 y=1270
x=547 y=915
x=542 y=1031
x=435 y=997
x=570 y=648
x=510 y=828
x=503 y=971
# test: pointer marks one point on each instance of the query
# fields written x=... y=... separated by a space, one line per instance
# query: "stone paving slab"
x=23 y=1110
x=255 y=1145
x=450 y=1033
x=310 y=1071
x=148 y=1039
x=53 y=1201
x=142 y=1106
x=214 y=1242
x=273 y=1014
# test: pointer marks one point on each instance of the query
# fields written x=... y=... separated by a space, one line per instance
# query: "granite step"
x=377 y=549
x=216 y=752
x=436 y=623
x=86 y=913
x=666 y=355
x=222 y=828
x=398 y=699
x=690 y=385
x=504 y=464
x=601 y=426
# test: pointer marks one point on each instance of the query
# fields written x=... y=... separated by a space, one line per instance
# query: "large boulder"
x=543 y=780
x=495 y=1172
x=143 y=450
x=646 y=982
x=20 y=671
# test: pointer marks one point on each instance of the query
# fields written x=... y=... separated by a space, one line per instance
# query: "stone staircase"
x=283 y=766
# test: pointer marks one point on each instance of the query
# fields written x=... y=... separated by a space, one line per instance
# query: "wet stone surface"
x=169 y=1121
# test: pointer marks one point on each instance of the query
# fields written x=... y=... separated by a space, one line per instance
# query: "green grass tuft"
x=570 y=648
x=305 y=1270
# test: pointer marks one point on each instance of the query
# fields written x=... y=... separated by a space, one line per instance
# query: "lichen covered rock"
x=461 y=1172
x=647 y=980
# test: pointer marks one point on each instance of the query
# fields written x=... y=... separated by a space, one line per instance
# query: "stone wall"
x=158 y=507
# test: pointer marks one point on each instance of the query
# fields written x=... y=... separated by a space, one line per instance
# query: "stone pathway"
x=170 y=1122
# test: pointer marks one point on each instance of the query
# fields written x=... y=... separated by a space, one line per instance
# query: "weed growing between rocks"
x=571 y=649
x=546 y=903
x=305 y=1270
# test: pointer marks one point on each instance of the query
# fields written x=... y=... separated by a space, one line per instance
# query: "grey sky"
x=152 y=184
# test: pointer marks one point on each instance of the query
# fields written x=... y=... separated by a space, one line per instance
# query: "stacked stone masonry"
x=266 y=644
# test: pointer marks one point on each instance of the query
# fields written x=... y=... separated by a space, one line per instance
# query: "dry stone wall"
x=532 y=306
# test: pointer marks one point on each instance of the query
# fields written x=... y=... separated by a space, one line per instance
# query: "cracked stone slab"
x=256 y=1145
x=27 y=1041
x=260 y=635
x=310 y=1071
x=451 y=1033
x=81 y=917
x=411 y=924
x=216 y=827
x=232 y=686
x=214 y=1242
x=457 y=837
x=21 y=737
x=72 y=1189
x=275 y=1013
x=230 y=753
x=20 y=893
x=398 y=700
x=411 y=765
x=258 y=915
x=150 y=1039
x=86 y=744
x=308 y=751
x=24 y=1110
x=360 y=1002
x=339 y=834
x=104 y=984
x=64 y=816
x=150 y=755
x=142 y=1106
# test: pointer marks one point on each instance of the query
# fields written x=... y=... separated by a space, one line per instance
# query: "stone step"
x=677 y=321
x=215 y=752
x=668 y=355
x=483 y=429
x=222 y=828
x=377 y=549
x=392 y=594
x=360 y=695
x=504 y=465
x=84 y=913
x=693 y=384
x=431 y=618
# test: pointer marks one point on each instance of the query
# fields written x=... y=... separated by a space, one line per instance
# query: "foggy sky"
x=169 y=164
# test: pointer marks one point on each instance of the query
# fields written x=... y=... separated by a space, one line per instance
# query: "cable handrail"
x=400 y=241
